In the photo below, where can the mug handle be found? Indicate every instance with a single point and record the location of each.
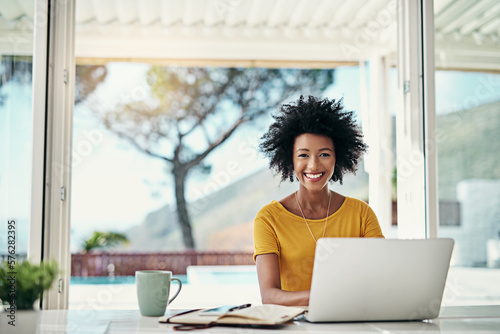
(178, 290)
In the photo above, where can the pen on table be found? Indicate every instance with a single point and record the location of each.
(239, 307)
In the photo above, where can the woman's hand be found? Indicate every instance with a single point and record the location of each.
(268, 271)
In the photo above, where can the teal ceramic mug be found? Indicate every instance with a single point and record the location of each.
(153, 288)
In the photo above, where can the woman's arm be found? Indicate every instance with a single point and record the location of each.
(268, 272)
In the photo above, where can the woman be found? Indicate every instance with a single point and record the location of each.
(315, 142)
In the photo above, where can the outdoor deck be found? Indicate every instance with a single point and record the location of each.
(465, 286)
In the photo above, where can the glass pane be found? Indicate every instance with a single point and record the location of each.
(468, 127)
(123, 133)
(16, 121)
(103, 157)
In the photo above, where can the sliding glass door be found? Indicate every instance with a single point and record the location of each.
(468, 142)
(16, 126)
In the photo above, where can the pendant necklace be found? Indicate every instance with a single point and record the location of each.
(305, 220)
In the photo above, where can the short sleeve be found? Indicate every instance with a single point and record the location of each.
(265, 239)
(372, 227)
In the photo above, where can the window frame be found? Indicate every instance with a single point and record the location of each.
(416, 122)
(53, 99)
(53, 90)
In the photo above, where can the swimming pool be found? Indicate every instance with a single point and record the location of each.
(195, 275)
(96, 280)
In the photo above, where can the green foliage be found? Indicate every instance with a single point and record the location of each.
(28, 283)
(185, 104)
(103, 240)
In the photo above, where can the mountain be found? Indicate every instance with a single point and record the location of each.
(223, 220)
(468, 144)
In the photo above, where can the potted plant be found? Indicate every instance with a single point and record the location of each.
(22, 283)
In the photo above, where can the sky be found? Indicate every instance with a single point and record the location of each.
(114, 186)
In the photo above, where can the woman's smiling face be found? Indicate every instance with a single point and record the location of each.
(313, 160)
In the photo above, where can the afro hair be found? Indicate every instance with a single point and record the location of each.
(323, 117)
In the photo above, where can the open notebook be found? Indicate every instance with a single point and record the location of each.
(263, 315)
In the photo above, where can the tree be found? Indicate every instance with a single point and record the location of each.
(87, 78)
(103, 240)
(16, 69)
(208, 103)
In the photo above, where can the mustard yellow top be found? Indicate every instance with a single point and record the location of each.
(278, 231)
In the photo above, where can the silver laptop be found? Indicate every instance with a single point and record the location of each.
(364, 279)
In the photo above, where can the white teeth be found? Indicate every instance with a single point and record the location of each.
(314, 176)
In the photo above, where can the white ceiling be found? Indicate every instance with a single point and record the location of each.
(467, 32)
(278, 30)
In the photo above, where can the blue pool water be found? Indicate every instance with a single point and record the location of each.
(193, 277)
(112, 280)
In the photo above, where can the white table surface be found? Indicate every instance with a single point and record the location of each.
(453, 319)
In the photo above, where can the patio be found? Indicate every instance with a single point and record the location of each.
(464, 286)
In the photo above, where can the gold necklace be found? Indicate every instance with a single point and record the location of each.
(305, 220)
